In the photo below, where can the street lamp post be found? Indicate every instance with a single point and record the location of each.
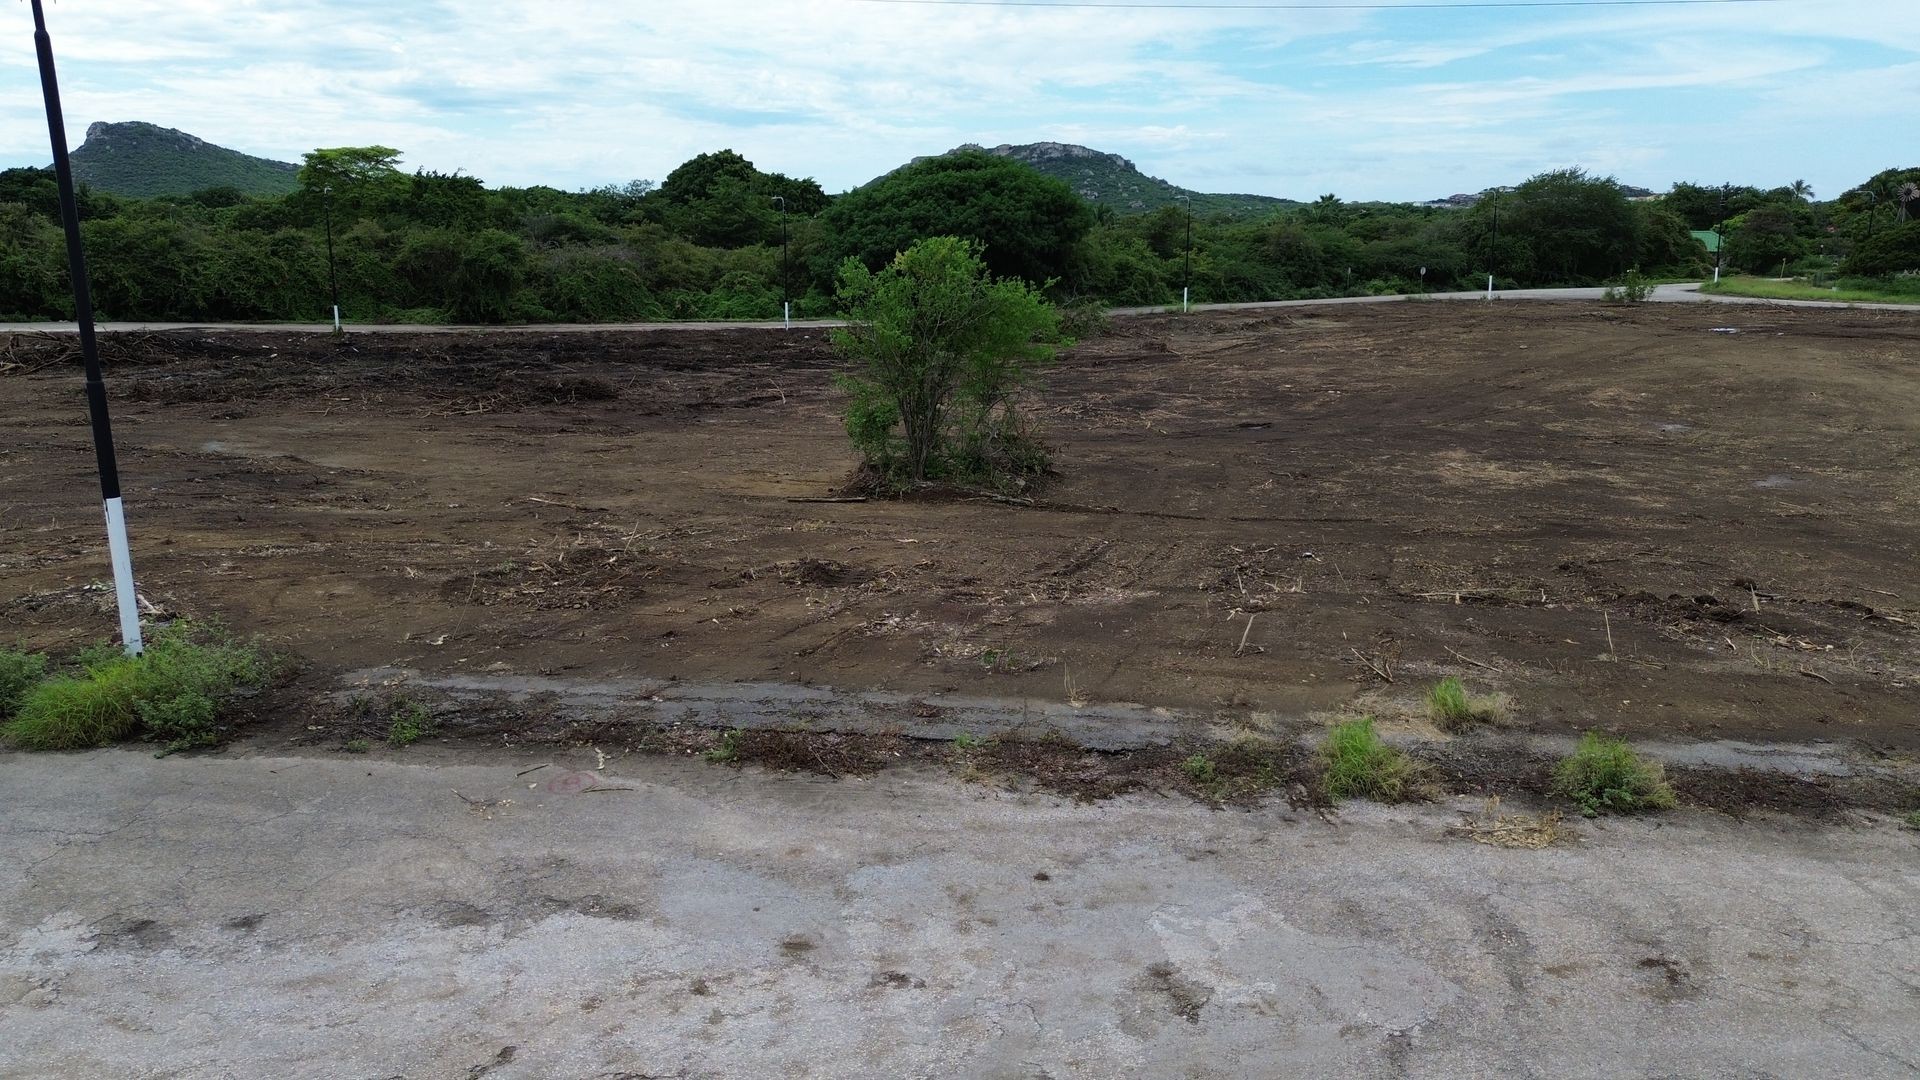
(1720, 236)
(786, 304)
(333, 278)
(119, 552)
(1186, 275)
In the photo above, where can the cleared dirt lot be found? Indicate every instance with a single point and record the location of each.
(1620, 516)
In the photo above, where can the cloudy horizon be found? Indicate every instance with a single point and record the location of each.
(1404, 103)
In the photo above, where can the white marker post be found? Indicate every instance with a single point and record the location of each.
(120, 552)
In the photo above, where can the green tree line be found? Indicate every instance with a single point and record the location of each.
(720, 239)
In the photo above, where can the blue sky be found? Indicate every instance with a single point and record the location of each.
(1401, 104)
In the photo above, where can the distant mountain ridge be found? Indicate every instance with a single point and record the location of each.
(141, 159)
(1110, 180)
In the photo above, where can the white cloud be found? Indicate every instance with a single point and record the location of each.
(572, 92)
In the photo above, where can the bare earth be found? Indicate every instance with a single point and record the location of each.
(1620, 516)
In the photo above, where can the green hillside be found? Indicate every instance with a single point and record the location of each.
(1112, 181)
(146, 159)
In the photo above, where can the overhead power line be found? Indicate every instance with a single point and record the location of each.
(1336, 5)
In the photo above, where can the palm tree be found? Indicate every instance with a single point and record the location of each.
(1801, 190)
(1909, 192)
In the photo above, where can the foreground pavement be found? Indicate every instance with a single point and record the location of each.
(427, 917)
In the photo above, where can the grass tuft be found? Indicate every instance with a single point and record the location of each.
(1605, 775)
(172, 693)
(1360, 765)
(1453, 709)
(727, 749)
(19, 673)
(408, 723)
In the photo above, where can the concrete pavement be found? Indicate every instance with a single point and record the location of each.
(429, 915)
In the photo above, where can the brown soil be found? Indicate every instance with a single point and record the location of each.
(1579, 506)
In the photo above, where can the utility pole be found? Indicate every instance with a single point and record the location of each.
(117, 547)
(1493, 241)
(1186, 276)
(1720, 235)
(333, 278)
(786, 305)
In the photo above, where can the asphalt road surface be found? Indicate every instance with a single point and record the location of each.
(1666, 294)
(421, 917)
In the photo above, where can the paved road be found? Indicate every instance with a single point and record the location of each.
(1666, 294)
(362, 918)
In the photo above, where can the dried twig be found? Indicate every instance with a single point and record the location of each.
(828, 499)
(1816, 675)
(1469, 659)
(1378, 665)
(1243, 636)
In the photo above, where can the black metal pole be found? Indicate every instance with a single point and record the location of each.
(89, 349)
(333, 278)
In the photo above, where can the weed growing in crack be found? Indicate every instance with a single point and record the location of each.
(1361, 765)
(408, 723)
(1605, 775)
(727, 749)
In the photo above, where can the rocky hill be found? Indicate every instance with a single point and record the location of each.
(145, 159)
(1110, 180)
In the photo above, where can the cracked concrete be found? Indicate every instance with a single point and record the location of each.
(341, 917)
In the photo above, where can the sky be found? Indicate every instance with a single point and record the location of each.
(1400, 102)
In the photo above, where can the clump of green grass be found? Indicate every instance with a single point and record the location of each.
(1199, 768)
(1454, 709)
(409, 722)
(966, 740)
(172, 693)
(356, 746)
(1605, 775)
(1912, 819)
(19, 673)
(727, 749)
(1361, 765)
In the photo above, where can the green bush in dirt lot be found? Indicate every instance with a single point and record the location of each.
(172, 693)
(1361, 765)
(941, 352)
(19, 673)
(1607, 775)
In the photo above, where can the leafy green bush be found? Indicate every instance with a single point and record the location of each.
(949, 349)
(172, 693)
(1359, 764)
(19, 673)
(1607, 775)
(1634, 288)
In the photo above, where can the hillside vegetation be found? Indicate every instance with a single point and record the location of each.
(707, 241)
(143, 160)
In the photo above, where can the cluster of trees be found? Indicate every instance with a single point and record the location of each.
(720, 239)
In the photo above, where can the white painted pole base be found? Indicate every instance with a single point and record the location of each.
(336, 318)
(786, 315)
(1489, 286)
(1183, 301)
(1716, 275)
(123, 578)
